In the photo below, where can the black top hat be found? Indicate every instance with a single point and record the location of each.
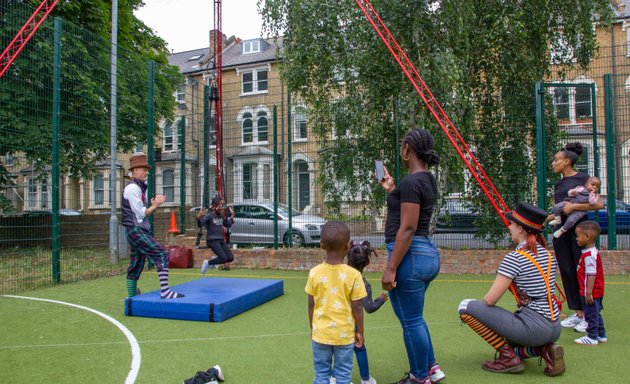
(528, 216)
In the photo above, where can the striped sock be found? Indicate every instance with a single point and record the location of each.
(526, 352)
(165, 291)
(131, 287)
(490, 336)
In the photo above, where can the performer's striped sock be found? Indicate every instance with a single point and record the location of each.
(490, 336)
(165, 291)
(131, 287)
(526, 352)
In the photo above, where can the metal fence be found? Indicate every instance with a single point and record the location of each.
(286, 168)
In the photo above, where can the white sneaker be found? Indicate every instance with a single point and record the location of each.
(571, 321)
(436, 374)
(332, 380)
(204, 266)
(585, 340)
(602, 339)
(371, 380)
(556, 221)
(581, 327)
(219, 373)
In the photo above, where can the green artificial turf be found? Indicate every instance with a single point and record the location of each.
(46, 342)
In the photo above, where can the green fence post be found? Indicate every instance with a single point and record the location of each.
(182, 175)
(610, 162)
(150, 133)
(275, 177)
(56, 117)
(541, 152)
(289, 170)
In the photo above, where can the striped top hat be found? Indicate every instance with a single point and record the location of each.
(528, 216)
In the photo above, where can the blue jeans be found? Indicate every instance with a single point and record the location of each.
(362, 362)
(420, 265)
(323, 356)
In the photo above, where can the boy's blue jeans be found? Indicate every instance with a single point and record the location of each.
(418, 268)
(332, 360)
(362, 362)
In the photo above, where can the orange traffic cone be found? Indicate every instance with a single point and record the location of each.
(173, 228)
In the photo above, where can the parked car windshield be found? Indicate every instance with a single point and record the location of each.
(283, 210)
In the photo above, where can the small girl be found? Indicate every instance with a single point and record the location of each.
(359, 258)
(215, 220)
(588, 193)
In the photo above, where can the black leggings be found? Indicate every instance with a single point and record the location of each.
(568, 254)
(223, 252)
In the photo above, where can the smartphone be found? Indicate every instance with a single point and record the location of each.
(380, 170)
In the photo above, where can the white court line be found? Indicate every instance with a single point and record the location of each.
(218, 338)
(135, 347)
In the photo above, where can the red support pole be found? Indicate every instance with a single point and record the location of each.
(218, 120)
(436, 110)
(12, 51)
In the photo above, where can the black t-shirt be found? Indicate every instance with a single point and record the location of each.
(418, 188)
(562, 186)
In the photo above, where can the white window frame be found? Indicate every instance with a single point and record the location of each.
(573, 102)
(255, 117)
(169, 186)
(37, 193)
(300, 120)
(180, 93)
(98, 189)
(251, 46)
(256, 83)
(168, 141)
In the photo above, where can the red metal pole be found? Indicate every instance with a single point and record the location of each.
(12, 51)
(436, 110)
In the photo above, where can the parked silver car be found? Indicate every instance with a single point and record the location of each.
(253, 224)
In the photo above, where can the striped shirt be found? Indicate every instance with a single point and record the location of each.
(529, 280)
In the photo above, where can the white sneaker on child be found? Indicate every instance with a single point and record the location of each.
(371, 380)
(556, 221)
(581, 327)
(571, 321)
(585, 340)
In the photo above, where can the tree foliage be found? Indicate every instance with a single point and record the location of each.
(26, 89)
(480, 58)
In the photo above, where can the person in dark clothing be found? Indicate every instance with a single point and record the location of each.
(217, 223)
(567, 251)
(359, 258)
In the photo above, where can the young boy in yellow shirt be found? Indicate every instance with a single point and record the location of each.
(335, 292)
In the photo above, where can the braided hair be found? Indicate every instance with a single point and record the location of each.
(422, 142)
(359, 255)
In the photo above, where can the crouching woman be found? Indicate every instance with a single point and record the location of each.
(529, 272)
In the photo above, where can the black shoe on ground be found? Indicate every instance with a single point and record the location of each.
(216, 372)
(201, 378)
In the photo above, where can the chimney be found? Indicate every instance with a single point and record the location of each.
(213, 37)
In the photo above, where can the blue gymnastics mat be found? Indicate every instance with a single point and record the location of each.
(208, 299)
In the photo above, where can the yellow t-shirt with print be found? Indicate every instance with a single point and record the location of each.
(333, 288)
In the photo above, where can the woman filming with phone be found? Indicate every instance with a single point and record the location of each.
(414, 260)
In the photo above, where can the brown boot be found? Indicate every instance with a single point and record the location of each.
(506, 362)
(553, 355)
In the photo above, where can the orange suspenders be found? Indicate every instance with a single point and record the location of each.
(544, 275)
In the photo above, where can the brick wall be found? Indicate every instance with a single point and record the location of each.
(453, 261)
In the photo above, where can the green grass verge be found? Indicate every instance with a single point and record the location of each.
(44, 342)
